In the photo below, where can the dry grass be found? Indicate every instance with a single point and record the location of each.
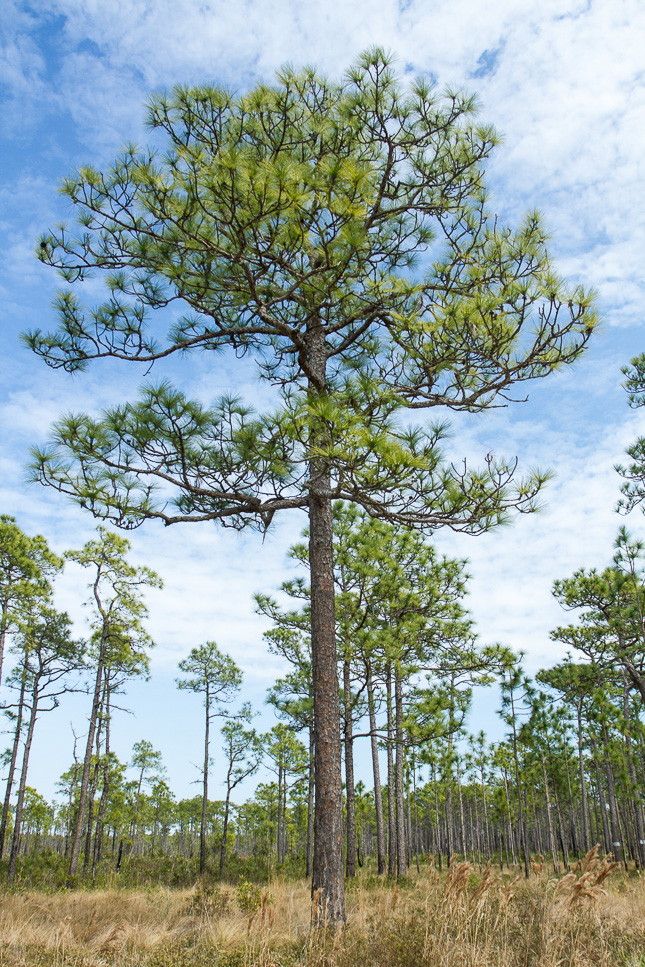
(593, 917)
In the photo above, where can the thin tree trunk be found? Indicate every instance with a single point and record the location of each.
(4, 624)
(401, 865)
(378, 796)
(82, 802)
(310, 804)
(278, 825)
(222, 852)
(92, 795)
(12, 764)
(98, 835)
(584, 807)
(486, 826)
(15, 842)
(611, 797)
(202, 825)
(638, 805)
(554, 851)
(391, 812)
(416, 815)
(350, 864)
(563, 831)
(521, 816)
(462, 824)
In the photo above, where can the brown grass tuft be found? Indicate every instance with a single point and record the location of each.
(590, 918)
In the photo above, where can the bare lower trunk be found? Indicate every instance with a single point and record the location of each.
(310, 804)
(98, 835)
(15, 842)
(554, 849)
(350, 865)
(222, 852)
(584, 807)
(12, 764)
(601, 800)
(391, 811)
(401, 864)
(637, 800)
(87, 762)
(278, 825)
(378, 796)
(328, 884)
(202, 825)
(616, 842)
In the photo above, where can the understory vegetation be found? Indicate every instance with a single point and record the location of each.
(468, 916)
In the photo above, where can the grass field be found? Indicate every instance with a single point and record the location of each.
(594, 916)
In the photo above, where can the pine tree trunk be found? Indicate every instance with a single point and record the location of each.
(564, 839)
(611, 797)
(87, 762)
(521, 816)
(12, 764)
(4, 624)
(222, 852)
(310, 804)
(350, 865)
(328, 883)
(584, 807)
(98, 835)
(462, 824)
(278, 825)
(554, 850)
(437, 823)
(15, 842)
(391, 811)
(416, 816)
(92, 794)
(90, 817)
(378, 795)
(486, 825)
(638, 805)
(510, 825)
(401, 864)
(202, 825)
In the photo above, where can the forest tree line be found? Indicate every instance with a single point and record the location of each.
(568, 773)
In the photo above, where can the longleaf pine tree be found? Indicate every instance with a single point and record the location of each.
(339, 234)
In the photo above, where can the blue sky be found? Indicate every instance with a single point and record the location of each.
(562, 80)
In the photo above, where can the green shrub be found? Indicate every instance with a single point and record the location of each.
(249, 897)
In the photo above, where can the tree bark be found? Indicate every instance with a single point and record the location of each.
(378, 795)
(98, 835)
(638, 805)
(328, 883)
(278, 825)
(401, 864)
(222, 852)
(584, 806)
(350, 864)
(15, 842)
(554, 849)
(82, 802)
(202, 825)
(616, 839)
(310, 804)
(391, 810)
(12, 765)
